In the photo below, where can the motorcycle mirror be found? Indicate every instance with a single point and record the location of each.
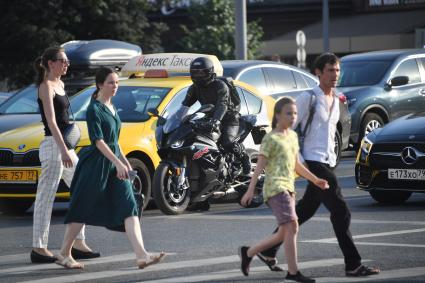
(161, 121)
(153, 112)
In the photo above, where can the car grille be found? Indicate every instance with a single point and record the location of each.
(9, 158)
(384, 156)
(397, 147)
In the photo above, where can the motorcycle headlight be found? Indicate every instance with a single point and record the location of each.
(177, 144)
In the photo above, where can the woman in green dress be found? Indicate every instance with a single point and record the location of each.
(101, 192)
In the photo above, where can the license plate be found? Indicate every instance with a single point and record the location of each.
(406, 174)
(18, 176)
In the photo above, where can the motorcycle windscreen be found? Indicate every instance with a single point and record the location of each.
(175, 119)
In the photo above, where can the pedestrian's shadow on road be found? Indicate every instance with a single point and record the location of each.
(414, 203)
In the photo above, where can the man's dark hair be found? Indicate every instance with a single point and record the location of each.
(325, 58)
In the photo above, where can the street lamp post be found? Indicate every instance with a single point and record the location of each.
(325, 20)
(240, 30)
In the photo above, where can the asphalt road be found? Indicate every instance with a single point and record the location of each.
(202, 247)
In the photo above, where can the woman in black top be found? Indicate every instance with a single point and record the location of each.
(56, 160)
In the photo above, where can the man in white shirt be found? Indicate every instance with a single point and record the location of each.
(318, 153)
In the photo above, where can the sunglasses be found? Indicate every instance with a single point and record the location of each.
(63, 61)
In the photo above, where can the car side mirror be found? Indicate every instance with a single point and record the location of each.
(398, 81)
(153, 112)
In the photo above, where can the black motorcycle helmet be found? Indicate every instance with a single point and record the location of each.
(202, 71)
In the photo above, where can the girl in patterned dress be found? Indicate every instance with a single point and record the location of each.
(279, 157)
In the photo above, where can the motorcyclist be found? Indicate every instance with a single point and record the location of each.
(208, 90)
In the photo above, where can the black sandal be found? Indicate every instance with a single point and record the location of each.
(271, 263)
(363, 270)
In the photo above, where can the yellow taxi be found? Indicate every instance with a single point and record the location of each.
(154, 81)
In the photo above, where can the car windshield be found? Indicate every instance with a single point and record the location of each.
(131, 102)
(362, 73)
(23, 102)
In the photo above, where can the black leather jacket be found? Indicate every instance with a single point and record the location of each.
(216, 93)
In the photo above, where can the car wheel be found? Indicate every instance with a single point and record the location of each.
(338, 146)
(11, 206)
(145, 183)
(390, 197)
(370, 122)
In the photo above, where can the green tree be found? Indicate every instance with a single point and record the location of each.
(28, 27)
(213, 30)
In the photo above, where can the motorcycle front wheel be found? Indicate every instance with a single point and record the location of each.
(169, 199)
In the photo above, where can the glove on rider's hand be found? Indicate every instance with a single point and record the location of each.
(215, 125)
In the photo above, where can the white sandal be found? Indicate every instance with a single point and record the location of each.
(68, 262)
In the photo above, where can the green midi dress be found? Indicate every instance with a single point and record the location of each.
(98, 197)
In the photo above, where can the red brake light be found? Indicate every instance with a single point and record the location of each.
(156, 74)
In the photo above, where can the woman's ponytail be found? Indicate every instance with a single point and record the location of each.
(95, 93)
(40, 71)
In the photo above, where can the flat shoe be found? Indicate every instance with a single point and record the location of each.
(79, 254)
(245, 259)
(39, 258)
(363, 270)
(271, 263)
(152, 260)
(69, 262)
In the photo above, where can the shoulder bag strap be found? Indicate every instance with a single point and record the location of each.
(312, 109)
(72, 112)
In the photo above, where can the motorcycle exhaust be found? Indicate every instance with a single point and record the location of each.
(218, 194)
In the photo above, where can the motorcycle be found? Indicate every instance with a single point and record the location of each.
(194, 167)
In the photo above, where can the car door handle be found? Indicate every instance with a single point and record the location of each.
(422, 92)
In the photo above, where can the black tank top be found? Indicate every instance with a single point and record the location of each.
(60, 105)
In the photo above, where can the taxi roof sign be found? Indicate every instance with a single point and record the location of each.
(171, 62)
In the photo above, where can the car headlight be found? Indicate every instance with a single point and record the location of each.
(366, 145)
(177, 144)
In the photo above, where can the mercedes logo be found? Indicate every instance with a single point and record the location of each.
(409, 156)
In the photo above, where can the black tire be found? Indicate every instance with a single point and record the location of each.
(390, 197)
(170, 204)
(145, 179)
(370, 122)
(12, 206)
(338, 147)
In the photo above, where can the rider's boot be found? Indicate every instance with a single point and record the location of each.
(246, 164)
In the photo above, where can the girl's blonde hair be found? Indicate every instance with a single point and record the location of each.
(278, 107)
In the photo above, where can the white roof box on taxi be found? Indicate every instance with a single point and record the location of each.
(171, 62)
(100, 52)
